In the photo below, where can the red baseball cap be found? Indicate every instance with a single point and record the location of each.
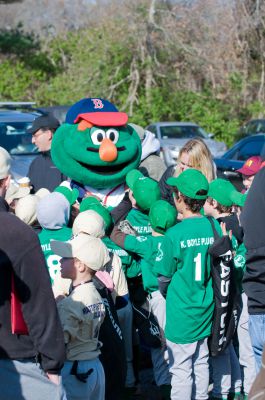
(104, 118)
(251, 166)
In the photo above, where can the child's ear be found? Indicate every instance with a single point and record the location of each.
(80, 265)
(132, 199)
(214, 203)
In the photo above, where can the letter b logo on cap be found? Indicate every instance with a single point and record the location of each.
(97, 103)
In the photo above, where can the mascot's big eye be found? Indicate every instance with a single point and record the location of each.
(97, 136)
(112, 135)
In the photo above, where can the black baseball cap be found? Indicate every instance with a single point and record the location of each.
(44, 121)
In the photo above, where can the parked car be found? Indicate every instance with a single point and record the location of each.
(235, 157)
(15, 119)
(173, 135)
(58, 111)
(252, 127)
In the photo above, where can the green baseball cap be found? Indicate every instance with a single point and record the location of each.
(145, 191)
(221, 190)
(91, 203)
(70, 194)
(162, 216)
(132, 177)
(189, 183)
(238, 198)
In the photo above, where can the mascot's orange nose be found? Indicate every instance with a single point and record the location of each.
(108, 151)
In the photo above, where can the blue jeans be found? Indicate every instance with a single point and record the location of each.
(257, 335)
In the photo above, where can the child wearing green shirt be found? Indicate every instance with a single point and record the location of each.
(189, 299)
(143, 193)
(53, 213)
(226, 367)
(162, 216)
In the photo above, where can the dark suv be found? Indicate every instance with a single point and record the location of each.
(15, 119)
(234, 158)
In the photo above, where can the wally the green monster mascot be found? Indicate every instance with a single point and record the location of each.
(96, 148)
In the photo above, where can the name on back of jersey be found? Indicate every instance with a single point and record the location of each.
(201, 241)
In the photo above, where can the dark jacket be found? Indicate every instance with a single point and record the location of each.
(3, 205)
(166, 190)
(252, 220)
(43, 173)
(232, 223)
(21, 254)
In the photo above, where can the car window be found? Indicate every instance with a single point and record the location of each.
(15, 140)
(248, 149)
(182, 131)
(257, 126)
(153, 129)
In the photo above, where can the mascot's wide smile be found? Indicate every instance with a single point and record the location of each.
(97, 147)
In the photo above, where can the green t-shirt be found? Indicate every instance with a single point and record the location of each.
(146, 247)
(139, 221)
(130, 266)
(190, 300)
(52, 260)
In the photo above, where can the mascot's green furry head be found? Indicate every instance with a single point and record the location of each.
(95, 146)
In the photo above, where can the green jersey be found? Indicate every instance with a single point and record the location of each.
(139, 221)
(130, 266)
(190, 301)
(52, 260)
(148, 248)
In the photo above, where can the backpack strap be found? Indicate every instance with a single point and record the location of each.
(215, 233)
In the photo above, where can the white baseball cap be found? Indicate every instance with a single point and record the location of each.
(89, 222)
(88, 249)
(5, 163)
(26, 208)
(16, 192)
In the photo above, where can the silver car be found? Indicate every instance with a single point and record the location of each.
(173, 136)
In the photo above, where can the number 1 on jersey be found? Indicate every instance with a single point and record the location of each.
(198, 267)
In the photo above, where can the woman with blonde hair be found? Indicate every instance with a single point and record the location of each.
(194, 154)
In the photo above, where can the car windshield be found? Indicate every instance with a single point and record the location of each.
(182, 132)
(15, 139)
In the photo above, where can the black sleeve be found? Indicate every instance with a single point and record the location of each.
(120, 212)
(38, 304)
(166, 191)
(163, 282)
(252, 216)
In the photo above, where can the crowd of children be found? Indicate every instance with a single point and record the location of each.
(156, 257)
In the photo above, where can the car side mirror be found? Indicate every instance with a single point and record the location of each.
(210, 135)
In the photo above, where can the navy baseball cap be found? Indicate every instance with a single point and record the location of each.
(44, 122)
(97, 111)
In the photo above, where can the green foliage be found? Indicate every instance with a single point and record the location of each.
(103, 61)
(17, 82)
(26, 48)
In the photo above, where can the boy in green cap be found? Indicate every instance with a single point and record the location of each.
(162, 216)
(143, 193)
(222, 196)
(189, 299)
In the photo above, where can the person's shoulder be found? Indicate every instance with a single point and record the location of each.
(37, 160)
(13, 221)
(17, 232)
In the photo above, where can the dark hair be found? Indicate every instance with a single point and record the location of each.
(193, 205)
(46, 128)
(220, 208)
(2, 181)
